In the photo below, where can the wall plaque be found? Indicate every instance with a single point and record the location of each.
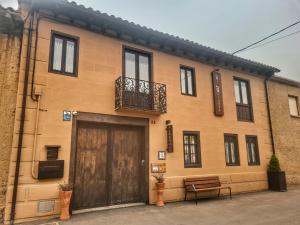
(218, 94)
(161, 155)
(158, 168)
(46, 206)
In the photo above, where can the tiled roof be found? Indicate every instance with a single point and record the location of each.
(10, 21)
(129, 31)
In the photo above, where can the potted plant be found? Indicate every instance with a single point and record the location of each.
(160, 186)
(65, 194)
(276, 177)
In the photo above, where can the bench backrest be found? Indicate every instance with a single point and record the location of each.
(202, 182)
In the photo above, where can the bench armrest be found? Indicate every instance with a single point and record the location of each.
(194, 188)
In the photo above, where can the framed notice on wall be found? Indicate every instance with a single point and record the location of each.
(158, 167)
(218, 94)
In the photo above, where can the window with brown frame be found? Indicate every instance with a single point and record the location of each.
(243, 100)
(187, 80)
(293, 105)
(231, 150)
(191, 149)
(63, 54)
(252, 150)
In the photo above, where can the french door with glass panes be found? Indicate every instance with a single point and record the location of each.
(137, 77)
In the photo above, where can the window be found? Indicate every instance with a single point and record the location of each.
(243, 100)
(252, 150)
(231, 150)
(293, 104)
(137, 67)
(187, 79)
(191, 148)
(63, 54)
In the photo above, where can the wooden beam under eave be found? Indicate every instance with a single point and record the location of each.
(80, 23)
(126, 37)
(111, 32)
(96, 28)
(64, 18)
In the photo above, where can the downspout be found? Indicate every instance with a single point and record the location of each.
(22, 122)
(269, 114)
(33, 163)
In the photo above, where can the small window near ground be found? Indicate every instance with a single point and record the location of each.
(252, 150)
(231, 150)
(293, 104)
(187, 79)
(191, 148)
(63, 54)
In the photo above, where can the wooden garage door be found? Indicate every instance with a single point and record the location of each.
(109, 168)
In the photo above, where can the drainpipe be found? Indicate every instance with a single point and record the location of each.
(269, 114)
(34, 161)
(22, 121)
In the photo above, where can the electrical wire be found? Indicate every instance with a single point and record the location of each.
(248, 46)
(285, 36)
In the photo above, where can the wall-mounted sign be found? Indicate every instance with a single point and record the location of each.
(170, 147)
(218, 94)
(67, 115)
(161, 155)
(158, 167)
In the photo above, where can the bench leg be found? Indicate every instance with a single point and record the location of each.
(185, 195)
(196, 197)
(219, 193)
(230, 193)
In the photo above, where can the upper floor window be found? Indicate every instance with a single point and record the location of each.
(231, 150)
(63, 54)
(137, 70)
(191, 147)
(187, 79)
(252, 150)
(293, 104)
(243, 100)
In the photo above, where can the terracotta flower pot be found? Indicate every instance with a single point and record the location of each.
(65, 198)
(160, 190)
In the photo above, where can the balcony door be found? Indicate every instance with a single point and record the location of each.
(137, 77)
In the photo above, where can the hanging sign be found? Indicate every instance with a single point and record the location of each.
(218, 95)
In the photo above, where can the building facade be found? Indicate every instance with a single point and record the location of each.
(108, 103)
(284, 97)
(10, 42)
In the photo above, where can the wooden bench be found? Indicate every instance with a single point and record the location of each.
(197, 184)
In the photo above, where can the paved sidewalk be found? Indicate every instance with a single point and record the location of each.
(262, 208)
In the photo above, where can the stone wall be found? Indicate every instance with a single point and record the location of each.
(9, 70)
(286, 129)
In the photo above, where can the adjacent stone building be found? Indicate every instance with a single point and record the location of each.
(10, 42)
(284, 95)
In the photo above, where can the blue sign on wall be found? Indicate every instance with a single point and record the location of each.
(67, 115)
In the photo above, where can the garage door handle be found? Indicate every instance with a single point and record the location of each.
(143, 162)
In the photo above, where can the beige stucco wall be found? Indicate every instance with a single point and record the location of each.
(100, 64)
(9, 68)
(286, 129)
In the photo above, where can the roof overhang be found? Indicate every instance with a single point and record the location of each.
(10, 21)
(78, 15)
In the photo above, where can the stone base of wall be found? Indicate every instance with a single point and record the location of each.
(30, 195)
(239, 183)
(293, 179)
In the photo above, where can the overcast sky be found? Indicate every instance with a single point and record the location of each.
(227, 27)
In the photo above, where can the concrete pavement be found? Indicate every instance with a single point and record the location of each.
(262, 208)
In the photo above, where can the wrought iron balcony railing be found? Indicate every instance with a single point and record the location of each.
(140, 95)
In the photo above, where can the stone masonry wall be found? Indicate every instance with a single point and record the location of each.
(9, 70)
(286, 129)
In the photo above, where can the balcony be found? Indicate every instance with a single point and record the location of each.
(140, 95)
